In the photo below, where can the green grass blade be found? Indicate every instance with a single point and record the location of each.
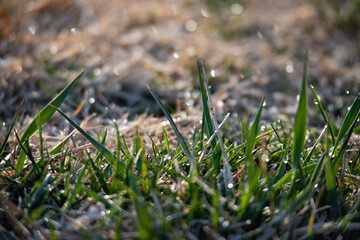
(178, 134)
(216, 157)
(318, 103)
(99, 174)
(300, 120)
(331, 188)
(308, 157)
(103, 150)
(340, 154)
(58, 147)
(348, 120)
(45, 114)
(3, 145)
(167, 145)
(254, 130)
(77, 188)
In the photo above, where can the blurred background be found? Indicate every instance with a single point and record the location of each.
(250, 48)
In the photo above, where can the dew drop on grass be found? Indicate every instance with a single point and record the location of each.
(230, 185)
(74, 30)
(262, 128)
(91, 100)
(297, 97)
(248, 222)
(226, 223)
(213, 73)
(264, 103)
(347, 92)
(311, 86)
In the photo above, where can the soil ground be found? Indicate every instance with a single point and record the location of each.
(251, 49)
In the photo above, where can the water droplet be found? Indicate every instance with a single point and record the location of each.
(213, 73)
(264, 103)
(226, 223)
(230, 185)
(74, 30)
(114, 120)
(289, 67)
(265, 189)
(191, 25)
(297, 97)
(315, 102)
(102, 213)
(248, 222)
(311, 86)
(262, 128)
(347, 92)
(32, 29)
(236, 9)
(175, 55)
(316, 185)
(4, 124)
(285, 161)
(91, 100)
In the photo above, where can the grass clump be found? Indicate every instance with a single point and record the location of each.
(272, 184)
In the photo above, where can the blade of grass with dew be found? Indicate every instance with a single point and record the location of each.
(338, 157)
(58, 147)
(254, 130)
(99, 174)
(252, 181)
(308, 157)
(331, 188)
(178, 134)
(3, 145)
(41, 143)
(72, 195)
(103, 150)
(300, 125)
(166, 141)
(318, 103)
(348, 120)
(227, 174)
(216, 164)
(46, 113)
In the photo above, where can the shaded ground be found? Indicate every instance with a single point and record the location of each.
(252, 51)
